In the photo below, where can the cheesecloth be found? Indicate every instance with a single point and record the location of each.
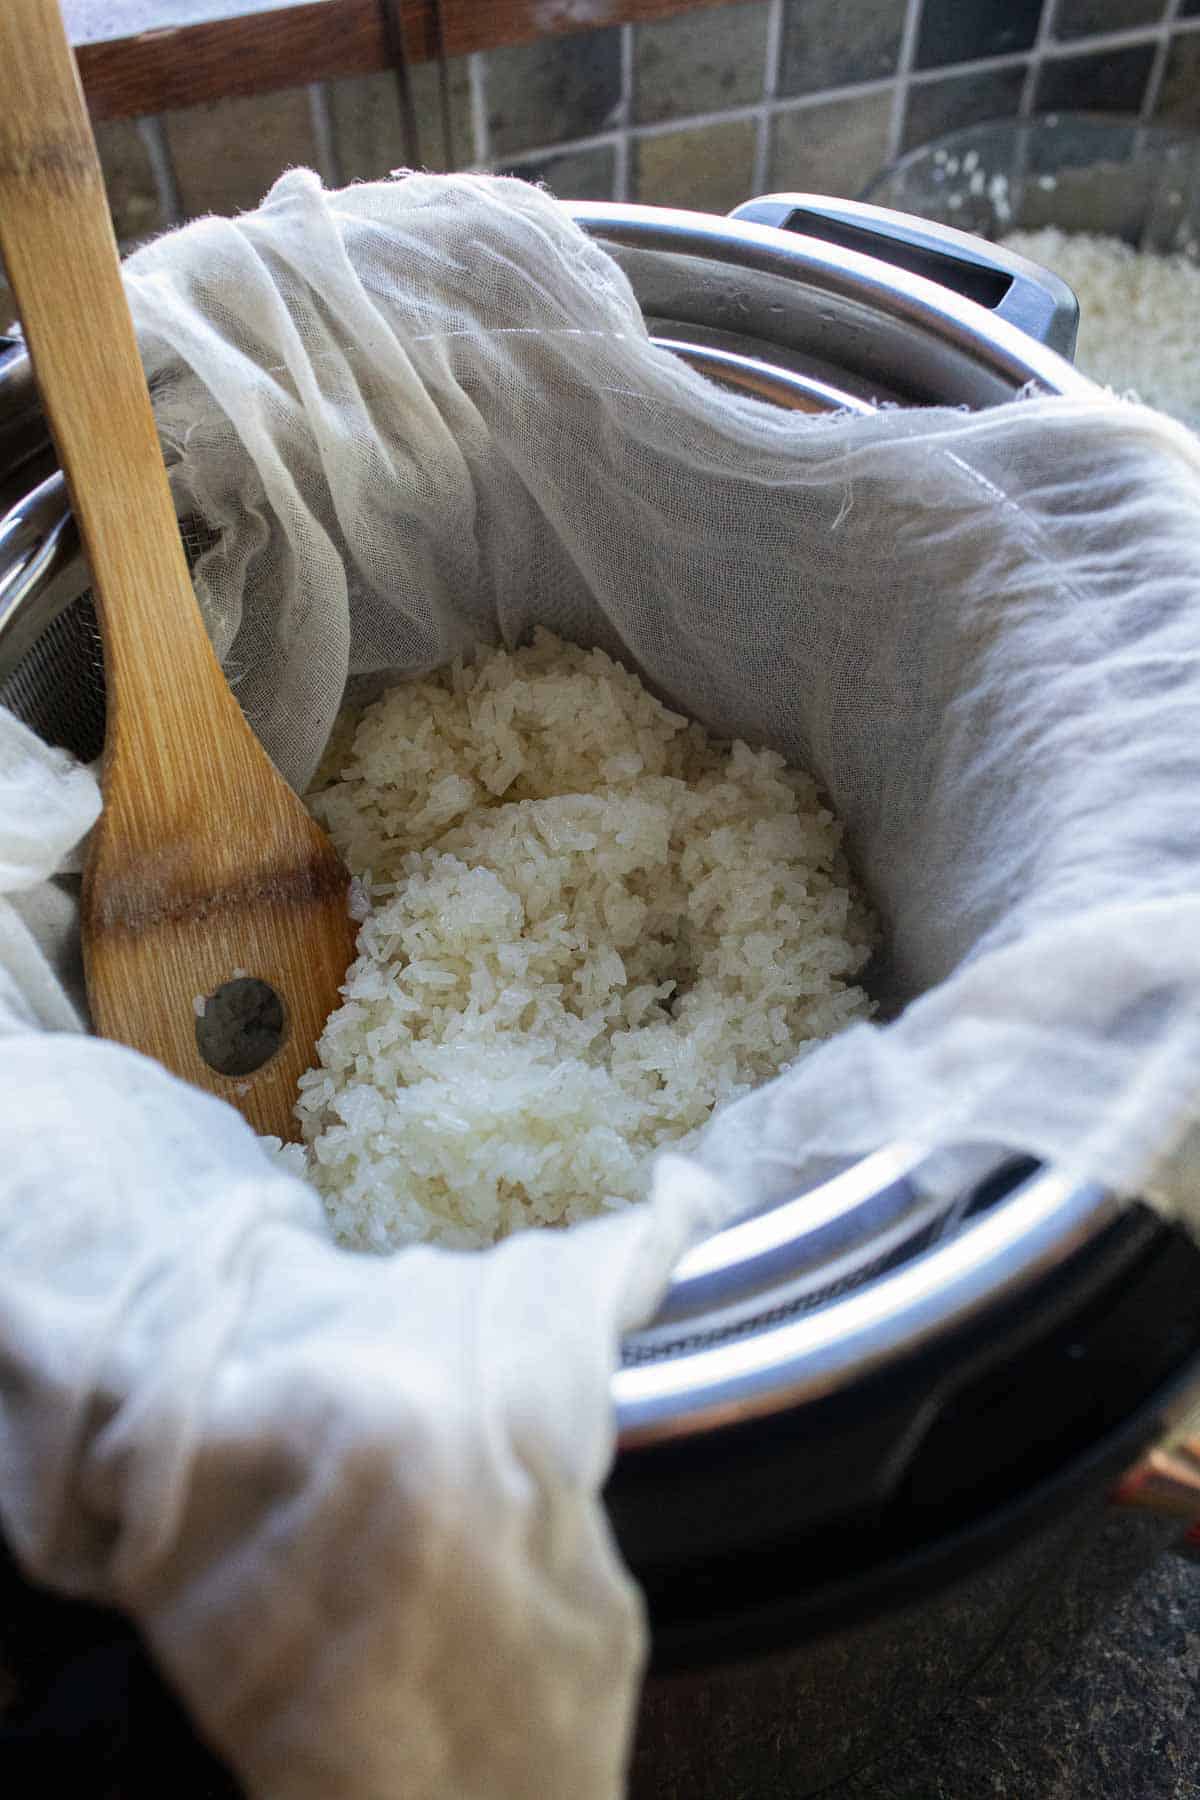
(353, 1503)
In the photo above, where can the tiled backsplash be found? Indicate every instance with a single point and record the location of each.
(698, 110)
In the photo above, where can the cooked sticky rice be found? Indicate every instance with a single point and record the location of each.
(1139, 315)
(587, 925)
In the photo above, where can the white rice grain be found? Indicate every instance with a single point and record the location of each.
(1139, 315)
(588, 926)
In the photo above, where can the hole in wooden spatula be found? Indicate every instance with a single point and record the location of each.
(241, 1026)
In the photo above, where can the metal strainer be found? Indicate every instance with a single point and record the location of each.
(724, 1342)
(51, 656)
(747, 1283)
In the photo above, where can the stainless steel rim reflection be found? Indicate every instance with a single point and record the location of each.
(1006, 1252)
(920, 307)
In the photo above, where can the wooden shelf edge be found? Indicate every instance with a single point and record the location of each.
(189, 65)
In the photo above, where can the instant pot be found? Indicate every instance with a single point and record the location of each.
(880, 1442)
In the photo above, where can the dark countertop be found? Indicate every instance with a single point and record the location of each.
(1066, 1669)
(1121, 1722)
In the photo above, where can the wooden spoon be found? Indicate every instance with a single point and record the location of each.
(206, 876)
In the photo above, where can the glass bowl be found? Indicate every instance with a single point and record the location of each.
(1091, 172)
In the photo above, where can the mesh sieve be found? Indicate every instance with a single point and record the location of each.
(58, 688)
(875, 1225)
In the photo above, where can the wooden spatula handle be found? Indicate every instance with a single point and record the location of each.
(54, 224)
(204, 872)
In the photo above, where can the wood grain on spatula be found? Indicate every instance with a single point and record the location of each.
(204, 864)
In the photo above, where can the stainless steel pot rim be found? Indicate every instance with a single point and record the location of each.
(922, 306)
(1005, 1253)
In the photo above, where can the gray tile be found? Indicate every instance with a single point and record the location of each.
(936, 107)
(833, 148)
(558, 89)
(1102, 81)
(227, 155)
(576, 175)
(1179, 96)
(703, 62)
(129, 180)
(1082, 18)
(960, 30)
(832, 43)
(709, 168)
(367, 121)
(427, 102)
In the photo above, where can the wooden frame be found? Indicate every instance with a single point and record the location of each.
(186, 65)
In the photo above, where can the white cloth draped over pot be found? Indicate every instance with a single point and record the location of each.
(354, 1503)
(351, 1501)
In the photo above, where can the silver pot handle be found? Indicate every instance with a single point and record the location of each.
(1009, 286)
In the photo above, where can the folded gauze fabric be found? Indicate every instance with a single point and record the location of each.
(353, 1502)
